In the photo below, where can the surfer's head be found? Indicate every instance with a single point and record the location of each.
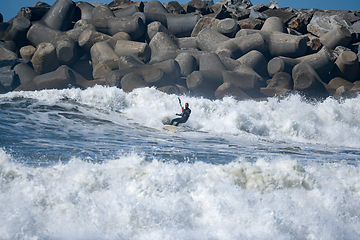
(186, 105)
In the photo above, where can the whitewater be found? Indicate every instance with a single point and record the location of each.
(97, 164)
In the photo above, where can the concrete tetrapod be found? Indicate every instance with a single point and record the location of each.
(187, 63)
(339, 36)
(61, 78)
(59, 15)
(210, 61)
(307, 81)
(139, 49)
(274, 24)
(280, 44)
(66, 47)
(104, 59)
(132, 25)
(204, 83)
(16, 32)
(25, 74)
(347, 66)
(45, 59)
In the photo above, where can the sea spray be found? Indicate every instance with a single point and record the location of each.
(330, 122)
(130, 198)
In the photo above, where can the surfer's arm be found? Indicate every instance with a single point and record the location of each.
(183, 111)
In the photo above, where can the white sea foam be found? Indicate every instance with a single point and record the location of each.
(130, 198)
(329, 122)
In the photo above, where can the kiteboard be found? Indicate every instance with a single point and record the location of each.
(170, 128)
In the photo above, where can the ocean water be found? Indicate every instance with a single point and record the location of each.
(96, 164)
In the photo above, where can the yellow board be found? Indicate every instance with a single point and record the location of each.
(170, 128)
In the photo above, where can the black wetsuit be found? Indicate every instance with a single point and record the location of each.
(184, 117)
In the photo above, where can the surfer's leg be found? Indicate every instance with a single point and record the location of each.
(180, 120)
(175, 120)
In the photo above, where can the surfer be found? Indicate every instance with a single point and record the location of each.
(184, 115)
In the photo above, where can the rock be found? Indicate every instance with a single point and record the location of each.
(198, 6)
(314, 44)
(238, 9)
(220, 11)
(284, 15)
(175, 7)
(7, 57)
(205, 22)
(251, 23)
(322, 23)
(273, 4)
(356, 28)
(7, 79)
(302, 19)
(257, 15)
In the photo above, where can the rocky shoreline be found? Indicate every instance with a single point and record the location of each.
(230, 48)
